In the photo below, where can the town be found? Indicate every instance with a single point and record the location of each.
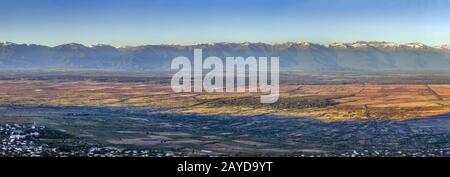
(18, 140)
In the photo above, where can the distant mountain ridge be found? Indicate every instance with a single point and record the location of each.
(358, 56)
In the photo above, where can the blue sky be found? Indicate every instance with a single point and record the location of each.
(137, 22)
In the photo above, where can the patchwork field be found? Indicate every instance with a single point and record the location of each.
(328, 102)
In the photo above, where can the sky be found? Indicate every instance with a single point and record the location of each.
(139, 22)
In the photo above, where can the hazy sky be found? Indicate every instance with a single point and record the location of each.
(136, 22)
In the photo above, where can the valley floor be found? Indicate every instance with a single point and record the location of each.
(317, 115)
(327, 102)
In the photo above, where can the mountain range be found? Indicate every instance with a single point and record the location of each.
(358, 56)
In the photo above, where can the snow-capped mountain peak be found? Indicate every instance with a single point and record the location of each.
(416, 45)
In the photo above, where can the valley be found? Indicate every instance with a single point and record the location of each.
(326, 100)
(93, 114)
